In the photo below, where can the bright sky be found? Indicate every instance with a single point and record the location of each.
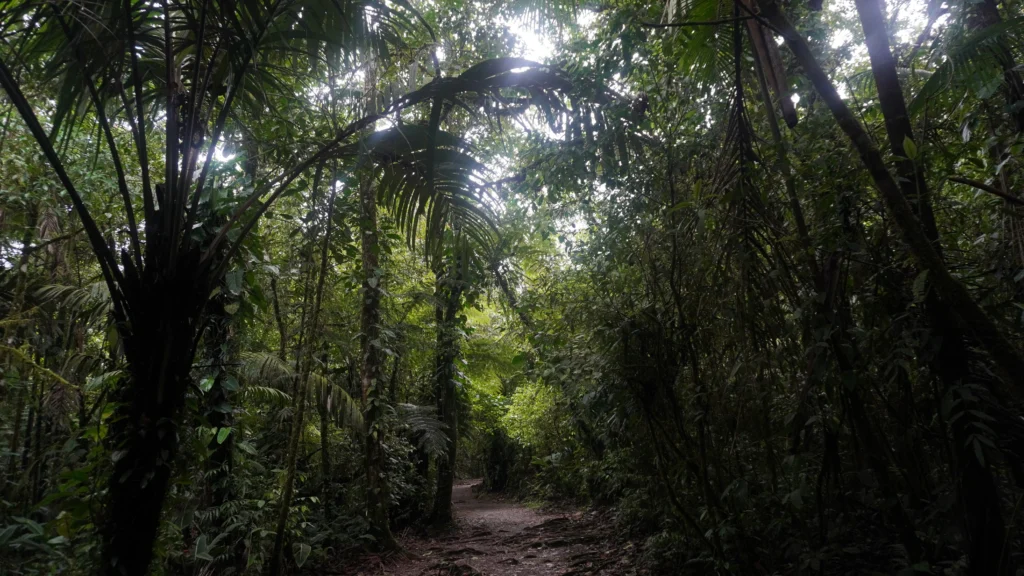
(536, 46)
(539, 45)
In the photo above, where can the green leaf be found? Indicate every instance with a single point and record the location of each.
(223, 434)
(909, 148)
(301, 552)
(6, 534)
(34, 526)
(203, 549)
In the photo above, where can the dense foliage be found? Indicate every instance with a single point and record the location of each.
(275, 272)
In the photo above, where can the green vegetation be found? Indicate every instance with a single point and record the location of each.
(274, 273)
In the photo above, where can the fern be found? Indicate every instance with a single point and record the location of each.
(422, 421)
(265, 395)
(335, 401)
(265, 367)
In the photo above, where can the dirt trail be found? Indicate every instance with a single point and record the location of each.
(496, 537)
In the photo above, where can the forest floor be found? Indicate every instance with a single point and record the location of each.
(495, 537)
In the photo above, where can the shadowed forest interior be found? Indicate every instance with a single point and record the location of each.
(721, 286)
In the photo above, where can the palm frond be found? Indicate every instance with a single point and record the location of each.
(706, 51)
(424, 425)
(968, 60)
(427, 176)
(335, 401)
(90, 302)
(265, 368)
(265, 395)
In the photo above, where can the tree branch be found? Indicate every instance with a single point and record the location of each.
(695, 23)
(986, 188)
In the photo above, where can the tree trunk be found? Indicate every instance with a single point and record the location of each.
(144, 435)
(325, 450)
(282, 331)
(219, 413)
(897, 120)
(371, 373)
(985, 14)
(449, 295)
(284, 507)
(14, 335)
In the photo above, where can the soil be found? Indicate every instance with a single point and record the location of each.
(496, 536)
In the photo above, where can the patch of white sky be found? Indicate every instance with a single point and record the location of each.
(909, 17)
(537, 43)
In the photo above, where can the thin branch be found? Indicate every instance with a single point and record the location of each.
(695, 23)
(54, 240)
(284, 182)
(986, 188)
(935, 11)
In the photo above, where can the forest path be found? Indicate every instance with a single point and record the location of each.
(497, 537)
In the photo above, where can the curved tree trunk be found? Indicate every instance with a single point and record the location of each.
(950, 291)
(946, 349)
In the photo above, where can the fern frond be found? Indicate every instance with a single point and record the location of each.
(264, 367)
(265, 395)
(424, 425)
(336, 402)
